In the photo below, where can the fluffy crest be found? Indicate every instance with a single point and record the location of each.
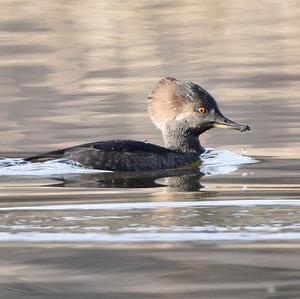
(168, 99)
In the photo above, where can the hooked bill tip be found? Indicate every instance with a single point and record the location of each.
(245, 128)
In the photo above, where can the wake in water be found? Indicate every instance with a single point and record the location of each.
(214, 163)
(223, 162)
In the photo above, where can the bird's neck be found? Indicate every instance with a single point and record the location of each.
(177, 137)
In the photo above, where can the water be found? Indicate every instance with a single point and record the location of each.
(75, 72)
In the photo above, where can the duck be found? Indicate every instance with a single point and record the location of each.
(180, 109)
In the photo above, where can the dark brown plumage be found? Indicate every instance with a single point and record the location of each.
(182, 110)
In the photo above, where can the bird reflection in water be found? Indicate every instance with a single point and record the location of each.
(180, 180)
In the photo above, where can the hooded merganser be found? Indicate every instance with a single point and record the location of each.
(181, 109)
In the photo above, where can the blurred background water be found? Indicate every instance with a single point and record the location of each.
(74, 72)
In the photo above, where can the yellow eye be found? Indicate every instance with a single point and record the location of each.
(202, 110)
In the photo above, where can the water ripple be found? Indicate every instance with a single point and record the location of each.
(159, 205)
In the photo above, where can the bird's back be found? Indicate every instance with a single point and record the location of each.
(120, 155)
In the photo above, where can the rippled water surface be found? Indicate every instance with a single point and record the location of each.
(73, 72)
